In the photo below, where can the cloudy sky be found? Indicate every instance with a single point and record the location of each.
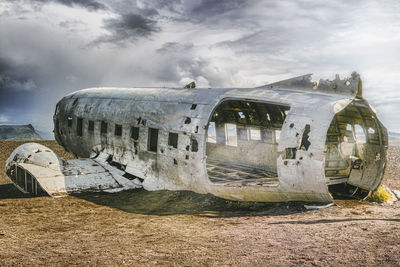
(49, 48)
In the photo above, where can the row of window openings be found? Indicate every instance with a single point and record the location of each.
(233, 134)
(152, 137)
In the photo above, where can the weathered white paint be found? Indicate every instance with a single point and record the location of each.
(167, 109)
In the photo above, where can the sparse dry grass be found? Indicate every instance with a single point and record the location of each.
(381, 195)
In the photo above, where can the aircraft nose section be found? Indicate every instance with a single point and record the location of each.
(37, 154)
(30, 164)
(36, 169)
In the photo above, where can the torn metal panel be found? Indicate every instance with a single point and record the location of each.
(285, 141)
(351, 86)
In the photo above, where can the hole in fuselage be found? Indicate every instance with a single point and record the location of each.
(347, 191)
(352, 167)
(242, 142)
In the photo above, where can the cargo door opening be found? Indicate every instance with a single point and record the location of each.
(242, 143)
(355, 152)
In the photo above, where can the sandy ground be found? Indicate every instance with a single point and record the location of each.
(186, 229)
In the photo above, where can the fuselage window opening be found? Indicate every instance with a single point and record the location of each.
(212, 135)
(359, 134)
(135, 133)
(91, 126)
(152, 141)
(118, 130)
(79, 127)
(231, 134)
(194, 144)
(103, 128)
(69, 122)
(242, 147)
(255, 134)
(242, 133)
(173, 140)
(267, 136)
(277, 136)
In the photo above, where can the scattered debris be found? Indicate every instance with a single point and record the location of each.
(317, 207)
(396, 193)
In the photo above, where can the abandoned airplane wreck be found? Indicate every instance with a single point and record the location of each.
(293, 140)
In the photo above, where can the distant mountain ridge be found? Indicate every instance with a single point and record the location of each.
(394, 136)
(18, 132)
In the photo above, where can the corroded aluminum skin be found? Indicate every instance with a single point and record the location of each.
(300, 179)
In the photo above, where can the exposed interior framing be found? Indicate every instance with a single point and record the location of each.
(242, 142)
(25, 181)
(355, 151)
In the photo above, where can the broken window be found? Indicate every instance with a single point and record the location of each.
(277, 136)
(69, 122)
(255, 134)
(135, 133)
(305, 143)
(194, 145)
(241, 147)
(267, 135)
(152, 140)
(359, 134)
(371, 131)
(79, 127)
(91, 126)
(231, 134)
(118, 130)
(242, 134)
(211, 133)
(103, 128)
(173, 140)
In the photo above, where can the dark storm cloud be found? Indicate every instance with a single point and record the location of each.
(16, 90)
(172, 6)
(15, 78)
(195, 11)
(211, 8)
(128, 27)
(164, 4)
(89, 4)
(171, 42)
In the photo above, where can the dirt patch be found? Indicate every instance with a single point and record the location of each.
(186, 229)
